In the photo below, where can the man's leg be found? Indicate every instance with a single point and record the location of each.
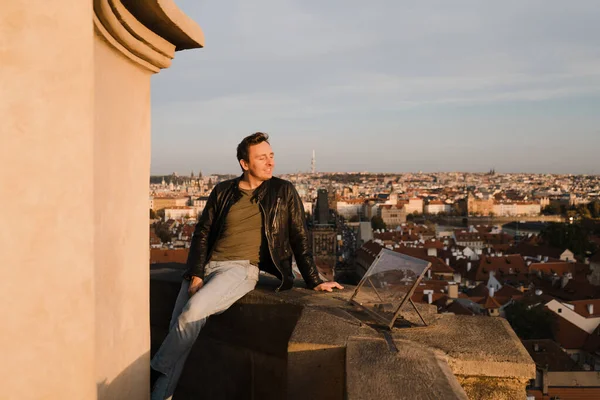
(226, 282)
(182, 299)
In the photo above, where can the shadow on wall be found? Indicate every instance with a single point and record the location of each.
(130, 384)
(240, 354)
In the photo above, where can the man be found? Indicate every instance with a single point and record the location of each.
(251, 222)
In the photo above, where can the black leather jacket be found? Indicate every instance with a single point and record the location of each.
(284, 225)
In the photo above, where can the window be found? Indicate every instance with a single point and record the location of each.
(560, 310)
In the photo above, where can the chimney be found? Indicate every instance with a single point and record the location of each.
(565, 279)
(429, 294)
(447, 261)
(590, 309)
(453, 291)
(429, 273)
(457, 278)
(492, 290)
(432, 252)
(468, 266)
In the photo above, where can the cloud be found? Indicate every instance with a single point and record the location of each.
(340, 67)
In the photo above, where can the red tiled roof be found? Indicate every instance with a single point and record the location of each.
(568, 335)
(436, 203)
(483, 228)
(512, 264)
(419, 297)
(159, 256)
(560, 268)
(458, 309)
(352, 201)
(433, 244)
(550, 355)
(461, 267)
(468, 236)
(497, 238)
(432, 284)
(480, 290)
(488, 302)
(368, 252)
(534, 251)
(437, 264)
(581, 307)
(509, 291)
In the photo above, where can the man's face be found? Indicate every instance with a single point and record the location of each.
(261, 161)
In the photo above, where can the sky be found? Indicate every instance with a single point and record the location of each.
(385, 86)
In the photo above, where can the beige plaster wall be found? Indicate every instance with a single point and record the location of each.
(74, 173)
(121, 176)
(46, 196)
(574, 378)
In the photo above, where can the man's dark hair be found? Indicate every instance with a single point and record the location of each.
(244, 146)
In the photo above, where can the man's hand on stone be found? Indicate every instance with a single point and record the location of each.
(328, 286)
(195, 285)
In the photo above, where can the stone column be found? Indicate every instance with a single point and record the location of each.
(74, 175)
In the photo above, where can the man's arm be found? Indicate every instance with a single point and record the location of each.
(197, 256)
(299, 239)
(301, 247)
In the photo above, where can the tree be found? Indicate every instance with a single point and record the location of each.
(161, 214)
(354, 218)
(567, 236)
(162, 231)
(458, 209)
(594, 208)
(583, 211)
(552, 209)
(531, 323)
(152, 214)
(377, 223)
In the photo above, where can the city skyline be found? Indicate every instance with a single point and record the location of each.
(386, 87)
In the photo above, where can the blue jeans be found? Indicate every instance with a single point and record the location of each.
(225, 282)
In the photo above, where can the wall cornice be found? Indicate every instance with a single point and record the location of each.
(147, 32)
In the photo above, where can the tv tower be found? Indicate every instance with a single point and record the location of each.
(313, 163)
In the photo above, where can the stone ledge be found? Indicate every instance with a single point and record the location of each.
(315, 339)
(475, 346)
(423, 373)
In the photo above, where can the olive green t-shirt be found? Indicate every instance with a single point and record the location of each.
(242, 233)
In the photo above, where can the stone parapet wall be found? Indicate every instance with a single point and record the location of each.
(303, 344)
